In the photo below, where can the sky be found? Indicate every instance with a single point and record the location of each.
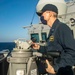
(14, 14)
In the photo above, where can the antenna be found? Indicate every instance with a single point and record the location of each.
(26, 27)
(33, 14)
(32, 18)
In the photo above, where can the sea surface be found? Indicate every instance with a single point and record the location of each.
(7, 45)
(3, 62)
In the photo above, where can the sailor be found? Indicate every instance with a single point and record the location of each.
(60, 39)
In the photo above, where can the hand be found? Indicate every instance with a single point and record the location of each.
(49, 69)
(36, 46)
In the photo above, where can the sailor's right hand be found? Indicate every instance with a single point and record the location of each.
(36, 46)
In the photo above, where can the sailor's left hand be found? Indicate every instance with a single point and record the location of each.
(49, 69)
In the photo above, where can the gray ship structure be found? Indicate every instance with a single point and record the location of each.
(22, 59)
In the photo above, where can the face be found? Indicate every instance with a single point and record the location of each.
(45, 17)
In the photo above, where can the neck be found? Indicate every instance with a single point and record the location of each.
(51, 21)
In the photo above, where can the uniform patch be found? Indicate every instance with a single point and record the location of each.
(51, 38)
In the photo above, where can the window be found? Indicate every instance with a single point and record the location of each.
(36, 36)
(44, 36)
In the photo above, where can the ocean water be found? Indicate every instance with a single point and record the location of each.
(7, 45)
(4, 64)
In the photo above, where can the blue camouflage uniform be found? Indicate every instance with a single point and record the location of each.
(61, 39)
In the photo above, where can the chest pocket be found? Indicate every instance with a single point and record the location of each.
(53, 43)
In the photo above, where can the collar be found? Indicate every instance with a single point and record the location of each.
(55, 25)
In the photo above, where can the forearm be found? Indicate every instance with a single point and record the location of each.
(42, 49)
